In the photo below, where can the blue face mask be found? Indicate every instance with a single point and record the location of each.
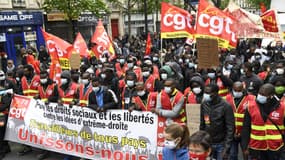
(211, 75)
(207, 97)
(261, 99)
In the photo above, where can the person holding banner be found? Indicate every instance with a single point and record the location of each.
(47, 89)
(176, 142)
(5, 101)
(129, 89)
(143, 100)
(85, 88)
(67, 90)
(101, 98)
(30, 82)
(170, 103)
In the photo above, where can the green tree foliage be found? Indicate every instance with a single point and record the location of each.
(73, 8)
(256, 3)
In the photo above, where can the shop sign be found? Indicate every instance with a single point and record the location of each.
(20, 18)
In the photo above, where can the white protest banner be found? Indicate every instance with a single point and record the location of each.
(82, 132)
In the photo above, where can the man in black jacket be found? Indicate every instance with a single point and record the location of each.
(218, 120)
(101, 98)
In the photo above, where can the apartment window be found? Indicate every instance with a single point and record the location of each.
(19, 3)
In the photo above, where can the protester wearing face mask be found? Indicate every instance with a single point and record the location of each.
(194, 93)
(251, 80)
(101, 98)
(279, 84)
(149, 79)
(11, 66)
(5, 102)
(67, 90)
(238, 99)
(30, 82)
(135, 68)
(48, 90)
(84, 89)
(216, 77)
(219, 125)
(200, 146)
(7, 83)
(129, 90)
(176, 142)
(121, 66)
(143, 100)
(109, 79)
(155, 60)
(263, 126)
(165, 73)
(170, 103)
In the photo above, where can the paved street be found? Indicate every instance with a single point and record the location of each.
(31, 156)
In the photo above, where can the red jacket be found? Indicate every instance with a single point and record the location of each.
(68, 96)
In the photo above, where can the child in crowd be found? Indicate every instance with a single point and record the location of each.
(176, 142)
(199, 146)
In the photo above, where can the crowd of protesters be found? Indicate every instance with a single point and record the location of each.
(242, 99)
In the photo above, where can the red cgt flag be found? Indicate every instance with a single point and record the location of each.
(175, 22)
(101, 38)
(59, 51)
(214, 23)
(80, 46)
(269, 21)
(148, 45)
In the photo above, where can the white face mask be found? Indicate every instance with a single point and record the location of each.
(96, 89)
(141, 93)
(211, 75)
(197, 90)
(130, 83)
(191, 65)
(237, 94)
(2, 78)
(130, 65)
(43, 81)
(280, 71)
(163, 76)
(155, 59)
(85, 81)
(103, 75)
(167, 89)
(207, 97)
(17, 79)
(170, 144)
(241, 71)
(63, 80)
(146, 74)
(261, 99)
(122, 61)
(103, 60)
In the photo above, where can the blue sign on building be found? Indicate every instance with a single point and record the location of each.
(21, 29)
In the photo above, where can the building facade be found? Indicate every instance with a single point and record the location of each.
(20, 26)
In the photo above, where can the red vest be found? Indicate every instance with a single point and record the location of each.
(31, 89)
(167, 104)
(265, 135)
(45, 94)
(119, 70)
(151, 102)
(155, 72)
(68, 96)
(83, 98)
(149, 83)
(223, 91)
(262, 75)
(240, 110)
(138, 73)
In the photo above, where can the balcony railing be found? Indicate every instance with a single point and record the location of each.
(19, 3)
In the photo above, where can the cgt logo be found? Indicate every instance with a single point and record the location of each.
(178, 21)
(19, 107)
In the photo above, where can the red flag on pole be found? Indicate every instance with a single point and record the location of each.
(59, 52)
(101, 38)
(262, 7)
(269, 20)
(80, 46)
(148, 45)
(214, 23)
